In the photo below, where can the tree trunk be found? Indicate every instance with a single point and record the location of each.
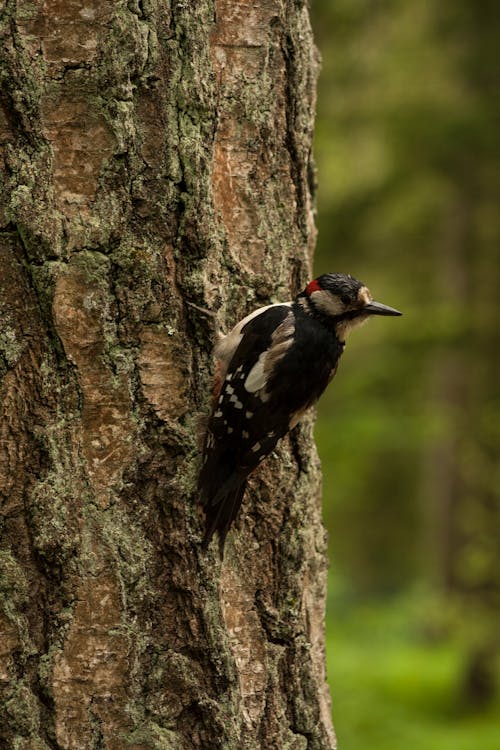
(154, 154)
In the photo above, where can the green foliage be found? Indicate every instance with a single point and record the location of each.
(407, 146)
(394, 687)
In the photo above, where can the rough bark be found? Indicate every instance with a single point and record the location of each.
(153, 154)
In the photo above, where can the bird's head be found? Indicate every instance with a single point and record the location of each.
(343, 301)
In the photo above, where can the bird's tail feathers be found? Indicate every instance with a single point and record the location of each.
(222, 509)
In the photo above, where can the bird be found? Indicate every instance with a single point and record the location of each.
(271, 368)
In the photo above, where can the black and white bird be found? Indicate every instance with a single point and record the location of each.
(272, 367)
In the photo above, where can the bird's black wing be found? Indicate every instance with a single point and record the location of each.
(244, 427)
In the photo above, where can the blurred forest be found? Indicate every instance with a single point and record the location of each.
(407, 151)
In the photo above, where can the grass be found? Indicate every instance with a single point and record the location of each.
(392, 689)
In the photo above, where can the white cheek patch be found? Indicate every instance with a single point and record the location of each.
(327, 303)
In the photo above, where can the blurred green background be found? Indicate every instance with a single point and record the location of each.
(407, 150)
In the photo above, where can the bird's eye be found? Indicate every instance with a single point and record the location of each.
(345, 299)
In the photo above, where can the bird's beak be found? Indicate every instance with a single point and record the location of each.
(377, 308)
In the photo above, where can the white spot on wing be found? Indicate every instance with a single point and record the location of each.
(256, 378)
(281, 339)
(227, 345)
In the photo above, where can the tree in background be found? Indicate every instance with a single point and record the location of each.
(153, 154)
(407, 145)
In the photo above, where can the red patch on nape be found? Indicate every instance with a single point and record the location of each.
(313, 286)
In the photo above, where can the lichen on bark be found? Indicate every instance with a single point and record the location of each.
(153, 154)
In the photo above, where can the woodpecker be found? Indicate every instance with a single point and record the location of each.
(271, 368)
